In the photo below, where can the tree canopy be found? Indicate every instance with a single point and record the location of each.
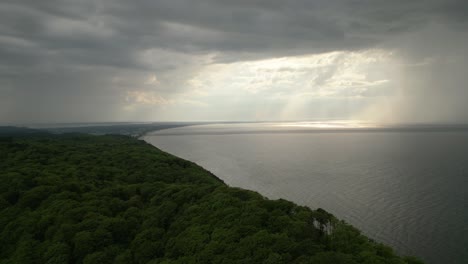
(76, 198)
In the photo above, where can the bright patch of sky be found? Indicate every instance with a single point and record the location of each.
(296, 87)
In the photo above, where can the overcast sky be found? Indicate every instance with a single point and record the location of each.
(160, 60)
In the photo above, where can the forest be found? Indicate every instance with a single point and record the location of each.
(77, 198)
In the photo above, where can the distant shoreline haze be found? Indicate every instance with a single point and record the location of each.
(213, 127)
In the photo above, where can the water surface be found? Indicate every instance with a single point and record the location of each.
(405, 187)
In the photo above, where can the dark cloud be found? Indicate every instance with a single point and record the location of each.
(58, 51)
(249, 26)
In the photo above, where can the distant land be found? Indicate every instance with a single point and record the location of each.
(138, 129)
(134, 129)
(77, 198)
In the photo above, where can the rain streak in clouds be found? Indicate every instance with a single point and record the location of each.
(82, 61)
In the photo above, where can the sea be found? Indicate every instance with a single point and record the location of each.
(403, 185)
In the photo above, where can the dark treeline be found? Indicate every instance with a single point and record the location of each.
(115, 199)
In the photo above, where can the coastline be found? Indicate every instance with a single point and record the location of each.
(115, 179)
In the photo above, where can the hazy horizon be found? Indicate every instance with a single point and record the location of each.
(328, 125)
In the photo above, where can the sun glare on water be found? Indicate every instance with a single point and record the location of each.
(335, 124)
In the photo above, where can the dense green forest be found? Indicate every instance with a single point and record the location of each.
(76, 198)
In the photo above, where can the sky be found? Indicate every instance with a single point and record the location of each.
(244, 60)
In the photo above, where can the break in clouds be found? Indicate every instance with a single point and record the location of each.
(109, 60)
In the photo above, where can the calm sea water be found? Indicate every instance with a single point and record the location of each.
(405, 188)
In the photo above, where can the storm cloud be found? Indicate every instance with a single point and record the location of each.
(79, 61)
